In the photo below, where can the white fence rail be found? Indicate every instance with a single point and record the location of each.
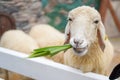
(41, 68)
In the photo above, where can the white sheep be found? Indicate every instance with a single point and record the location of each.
(82, 33)
(45, 35)
(19, 41)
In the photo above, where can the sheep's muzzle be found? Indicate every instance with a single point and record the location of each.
(81, 51)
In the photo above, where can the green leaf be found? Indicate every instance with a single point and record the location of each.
(38, 54)
(52, 50)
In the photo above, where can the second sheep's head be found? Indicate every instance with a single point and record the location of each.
(82, 29)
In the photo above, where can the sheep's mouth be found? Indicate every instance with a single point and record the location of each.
(81, 51)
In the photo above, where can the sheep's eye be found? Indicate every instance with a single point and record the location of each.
(96, 21)
(69, 19)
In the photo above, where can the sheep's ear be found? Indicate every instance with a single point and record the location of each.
(67, 34)
(101, 36)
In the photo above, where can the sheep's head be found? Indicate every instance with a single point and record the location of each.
(81, 29)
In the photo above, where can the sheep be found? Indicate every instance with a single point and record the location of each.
(19, 41)
(45, 35)
(81, 32)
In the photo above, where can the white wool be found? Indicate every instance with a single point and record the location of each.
(46, 35)
(19, 41)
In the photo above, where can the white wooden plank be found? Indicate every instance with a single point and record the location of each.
(41, 68)
(1, 79)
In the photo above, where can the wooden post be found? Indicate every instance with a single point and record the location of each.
(115, 18)
(103, 9)
(6, 75)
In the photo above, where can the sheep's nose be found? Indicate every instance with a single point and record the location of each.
(78, 42)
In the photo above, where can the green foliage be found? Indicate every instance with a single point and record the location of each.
(56, 11)
(51, 51)
(44, 3)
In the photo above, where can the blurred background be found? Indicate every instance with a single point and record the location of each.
(23, 14)
(54, 12)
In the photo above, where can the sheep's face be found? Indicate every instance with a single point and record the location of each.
(82, 28)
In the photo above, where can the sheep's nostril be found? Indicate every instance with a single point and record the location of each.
(81, 41)
(78, 42)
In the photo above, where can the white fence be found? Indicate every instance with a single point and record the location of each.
(41, 68)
